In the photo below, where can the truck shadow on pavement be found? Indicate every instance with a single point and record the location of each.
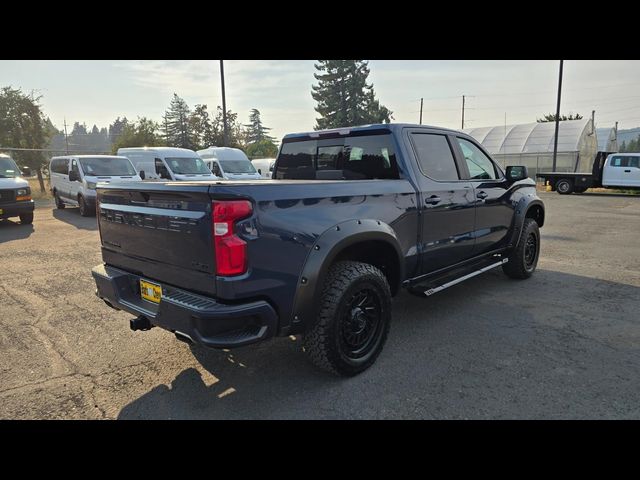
(486, 348)
(13, 230)
(72, 216)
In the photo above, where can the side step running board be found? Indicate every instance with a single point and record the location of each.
(433, 290)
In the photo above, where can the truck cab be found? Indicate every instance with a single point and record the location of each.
(622, 170)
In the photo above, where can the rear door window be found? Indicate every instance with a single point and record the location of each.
(620, 161)
(435, 157)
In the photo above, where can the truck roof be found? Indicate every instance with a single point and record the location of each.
(364, 128)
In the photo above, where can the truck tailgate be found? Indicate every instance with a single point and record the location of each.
(159, 230)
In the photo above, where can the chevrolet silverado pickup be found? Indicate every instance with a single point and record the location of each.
(350, 217)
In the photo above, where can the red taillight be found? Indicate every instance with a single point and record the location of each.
(231, 250)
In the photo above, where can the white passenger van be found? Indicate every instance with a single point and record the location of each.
(74, 178)
(264, 166)
(168, 163)
(229, 163)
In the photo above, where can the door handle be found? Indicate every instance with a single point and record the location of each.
(627, 171)
(482, 195)
(432, 200)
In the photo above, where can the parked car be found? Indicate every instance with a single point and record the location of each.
(15, 193)
(610, 170)
(359, 213)
(74, 178)
(264, 166)
(229, 163)
(167, 163)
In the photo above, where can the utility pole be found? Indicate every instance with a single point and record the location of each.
(66, 139)
(593, 122)
(421, 101)
(462, 112)
(555, 138)
(224, 106)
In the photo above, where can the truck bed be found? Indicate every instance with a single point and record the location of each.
(163, 230)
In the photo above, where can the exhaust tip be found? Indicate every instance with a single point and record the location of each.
(183, 337)
(140, 323)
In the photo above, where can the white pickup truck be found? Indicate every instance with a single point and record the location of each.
(610, 170)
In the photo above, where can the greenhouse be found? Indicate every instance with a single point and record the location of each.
(607, 139)
(531, 145)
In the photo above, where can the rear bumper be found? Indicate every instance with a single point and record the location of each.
(202, 319)
(16, 208)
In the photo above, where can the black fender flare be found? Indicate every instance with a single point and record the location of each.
(520, 213)
(322, 254)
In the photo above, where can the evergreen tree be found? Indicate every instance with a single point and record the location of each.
(176, 124)
(234, 127)
(343, 96)
(255, 131)
(551, 117)
(116, 128)
(202, 128)
(623, 147)
(95, 130)
(79, 129)
(103, 131)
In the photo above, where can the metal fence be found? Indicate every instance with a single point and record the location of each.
(543, 162)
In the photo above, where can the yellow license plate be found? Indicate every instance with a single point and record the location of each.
(150, 291)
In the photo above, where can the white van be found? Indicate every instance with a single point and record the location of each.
(73, 178)
(168, 163)
(229, 163)
(264, 166)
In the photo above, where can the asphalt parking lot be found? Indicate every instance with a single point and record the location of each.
(564, 344)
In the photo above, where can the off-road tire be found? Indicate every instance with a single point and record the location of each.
(326, 341)
(26, 218)
(520, 264)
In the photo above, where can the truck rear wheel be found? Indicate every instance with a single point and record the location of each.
(564, 186)
(354, 319)
(524, 257)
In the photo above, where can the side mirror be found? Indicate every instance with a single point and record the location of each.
(142, 174)
(26, 171)
(74, 176)
(260, 171)
(164, 173)
(517, 172)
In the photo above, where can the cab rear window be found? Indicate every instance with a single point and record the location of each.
(349, 158)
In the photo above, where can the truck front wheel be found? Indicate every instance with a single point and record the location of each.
(354, 319)
(524, 257)
(564, 186)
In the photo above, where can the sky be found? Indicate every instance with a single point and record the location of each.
(98, 91)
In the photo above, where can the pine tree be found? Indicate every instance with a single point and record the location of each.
(343, 96)
(202, 128)
(177, 128)
(255, 131)
(116, 128)
(95, 130)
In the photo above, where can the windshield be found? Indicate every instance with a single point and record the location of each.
(8, 168)
(237, 166)
(187, 165)
(107, 166)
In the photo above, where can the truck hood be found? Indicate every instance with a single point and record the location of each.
(16, 182)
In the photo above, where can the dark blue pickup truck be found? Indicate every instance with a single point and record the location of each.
(350, 217)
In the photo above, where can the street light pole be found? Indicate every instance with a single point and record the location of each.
(555, 138)
(224, 106)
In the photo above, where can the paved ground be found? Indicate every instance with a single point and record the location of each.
(564, 344)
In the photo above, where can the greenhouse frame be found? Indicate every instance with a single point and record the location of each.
(531, 145)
